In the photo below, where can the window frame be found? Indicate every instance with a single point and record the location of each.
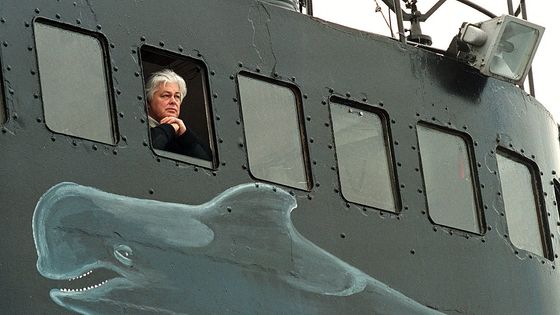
(300, 122)
(471, 157)
(206, 94)
(3, 97)
(387, 136)
(104, 43)
(539, 199)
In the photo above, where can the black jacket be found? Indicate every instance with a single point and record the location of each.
(164, 138)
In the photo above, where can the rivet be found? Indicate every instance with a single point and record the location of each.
(115, 68)
(5, 44)
(240, 64)
(324, 102)
(37, 10)
(308, 118)
(276, 74)
(180, 48)
(212, 72)
(98, 26)
(231, 77)
(348, 94)
(311, 140)
(2, 20)
(32, 72)
(39, 120)
(151, 191)
(145, 143)
(293, 79)
(35, 95)
(124, 138)
(78, 21)
(220, 140)
(136, 74)
(143, 38)
(139, 97)
(234, 99)
(94, 147)
(121, 114)
(364, 99)
(218, 117)
(258, 70)
(8, 67)
(380, 103)
(58, 16)
(331, 91)
(342, 235)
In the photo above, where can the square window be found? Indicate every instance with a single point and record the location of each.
(196, 145)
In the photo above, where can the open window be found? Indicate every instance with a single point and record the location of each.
(75, 85)
(449, 178)
(523, 204)
(274, 132)
(195, 109)
(363, 155)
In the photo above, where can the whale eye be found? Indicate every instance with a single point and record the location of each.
(123, 254)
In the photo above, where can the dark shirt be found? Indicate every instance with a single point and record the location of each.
(164, 138)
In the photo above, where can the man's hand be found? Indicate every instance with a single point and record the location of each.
(177, 124)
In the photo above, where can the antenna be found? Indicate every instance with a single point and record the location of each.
(416, 17)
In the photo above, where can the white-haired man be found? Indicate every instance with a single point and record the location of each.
(165, 91)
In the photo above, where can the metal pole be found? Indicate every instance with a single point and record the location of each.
(510, 7)
(398, 11)
(531, 78)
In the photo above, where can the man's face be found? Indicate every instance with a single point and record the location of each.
(165, 102)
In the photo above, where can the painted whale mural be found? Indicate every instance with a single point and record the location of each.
(238, 253)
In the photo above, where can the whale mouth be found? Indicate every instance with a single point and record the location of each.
(91, 280)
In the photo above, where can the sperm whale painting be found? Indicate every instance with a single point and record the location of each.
(238, 253)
